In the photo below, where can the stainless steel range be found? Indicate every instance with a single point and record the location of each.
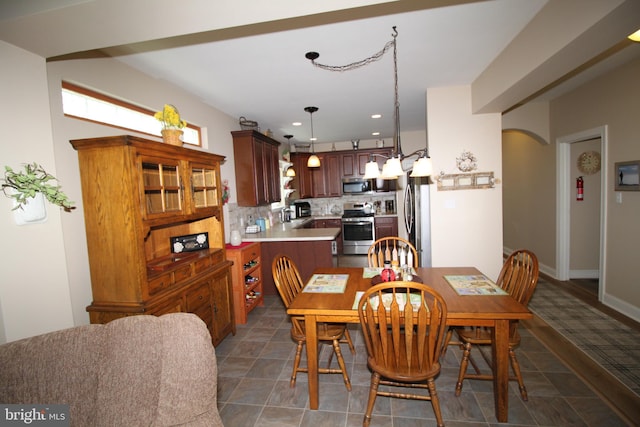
(358, 230)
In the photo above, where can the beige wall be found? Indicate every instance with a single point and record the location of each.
(528, 197)
(612, 100)
(34, 296)
(466, 225)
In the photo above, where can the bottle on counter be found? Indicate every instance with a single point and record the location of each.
(402, 256)
(387, 274)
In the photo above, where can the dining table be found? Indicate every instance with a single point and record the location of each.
(489, 310)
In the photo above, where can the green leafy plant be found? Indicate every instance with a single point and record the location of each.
(33, 179)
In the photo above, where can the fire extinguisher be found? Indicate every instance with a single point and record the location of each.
(580, 188)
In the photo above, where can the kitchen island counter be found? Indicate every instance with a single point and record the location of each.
(292, 232)
(309, 248)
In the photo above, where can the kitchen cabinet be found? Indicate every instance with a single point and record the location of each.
(247, 278)
(307, 255)
(331, 223)
(257, 170)
(386, 226)
(303, 181)
(327, 179)
(139, 196)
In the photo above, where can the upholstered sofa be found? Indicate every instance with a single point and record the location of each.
(138, 370)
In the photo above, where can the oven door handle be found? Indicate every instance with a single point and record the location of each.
(358, 223)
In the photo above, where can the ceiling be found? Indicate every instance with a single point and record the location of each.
(266, 77)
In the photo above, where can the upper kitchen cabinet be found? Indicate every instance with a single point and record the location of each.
(303, 181)
(257, 170)
(327, 179)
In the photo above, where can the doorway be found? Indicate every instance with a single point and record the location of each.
(565, 186)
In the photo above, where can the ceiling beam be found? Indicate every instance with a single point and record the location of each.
(565, 38)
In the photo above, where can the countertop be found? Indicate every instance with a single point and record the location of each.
(293, 231)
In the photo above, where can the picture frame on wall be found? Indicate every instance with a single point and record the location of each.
(627, 176)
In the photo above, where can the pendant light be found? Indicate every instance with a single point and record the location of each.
(290, 170)
(314, 161)
(392, 168)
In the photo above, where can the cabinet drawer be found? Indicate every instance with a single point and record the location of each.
(217, 257)
(160, 283)
(250, 255)
(202, 264)
(198, 297)
(182, 274)
(173, 306)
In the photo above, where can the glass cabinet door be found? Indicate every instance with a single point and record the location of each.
(204, 187)
(162, 187)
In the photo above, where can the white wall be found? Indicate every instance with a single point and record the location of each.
(34, 296)
(466, 225)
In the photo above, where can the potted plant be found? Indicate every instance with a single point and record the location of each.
(172, 124)
(25, 184)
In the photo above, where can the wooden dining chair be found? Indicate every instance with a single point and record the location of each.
(519, 277)
(383, 249)
(288, 282)
(404, 341)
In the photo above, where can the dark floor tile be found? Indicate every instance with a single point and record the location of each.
(235, 366)
(266, 368)
(280, 417)
(553, 411)
(569, 385)
(324, 419)
(595, 413)
(235, 415)
(252, 391)
(226, 385)
(518, 413)
(289, 397)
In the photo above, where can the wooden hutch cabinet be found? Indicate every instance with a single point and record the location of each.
(247, 278)
(138, 196)
(257, 168)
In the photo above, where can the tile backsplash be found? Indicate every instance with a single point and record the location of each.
(238, 217)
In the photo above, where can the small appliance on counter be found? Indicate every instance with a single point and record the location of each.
(303, 209)
(390, 206)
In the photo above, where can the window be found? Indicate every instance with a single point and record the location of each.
(93, 106)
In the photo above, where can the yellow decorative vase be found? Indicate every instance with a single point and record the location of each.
(172, 136)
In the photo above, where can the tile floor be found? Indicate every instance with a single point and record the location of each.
(255, 367)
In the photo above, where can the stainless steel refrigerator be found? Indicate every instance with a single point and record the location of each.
(417, 217)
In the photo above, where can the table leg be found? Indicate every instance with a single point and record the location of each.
(311, 330)
(500, 353)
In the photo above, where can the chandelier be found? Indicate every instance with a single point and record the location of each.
(392, 168)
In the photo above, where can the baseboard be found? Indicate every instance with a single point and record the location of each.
(584, 274)
(622, 306)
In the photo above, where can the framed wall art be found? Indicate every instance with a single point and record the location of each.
(627, 176)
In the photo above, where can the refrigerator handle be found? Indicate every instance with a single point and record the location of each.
(408, 209)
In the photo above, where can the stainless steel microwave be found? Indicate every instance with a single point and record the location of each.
(355, 186)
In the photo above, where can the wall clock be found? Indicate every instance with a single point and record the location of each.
(589, 162)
